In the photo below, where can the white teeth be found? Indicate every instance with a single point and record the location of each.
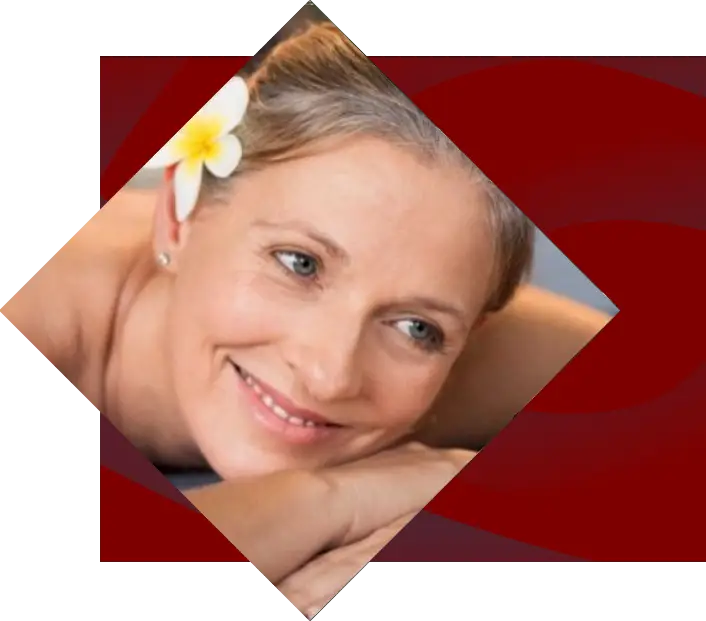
(279, 411)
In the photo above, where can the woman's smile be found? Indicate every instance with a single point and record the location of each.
(280, 415)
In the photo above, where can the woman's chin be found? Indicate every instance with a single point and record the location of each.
(254, 453)
(256, 464)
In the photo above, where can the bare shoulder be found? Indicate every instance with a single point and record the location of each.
(66, 308)
(507, 362)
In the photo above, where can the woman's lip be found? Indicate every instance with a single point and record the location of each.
(283, 402)
(286, 429)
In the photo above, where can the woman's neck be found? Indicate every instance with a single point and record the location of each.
(138, 396)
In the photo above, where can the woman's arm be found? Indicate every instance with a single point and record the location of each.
(317, 583)
(508, 361)
(282, 520)
(277, 521)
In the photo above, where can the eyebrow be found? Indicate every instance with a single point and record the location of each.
(302, 227)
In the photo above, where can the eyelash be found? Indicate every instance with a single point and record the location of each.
(437, 346)
(277, 254)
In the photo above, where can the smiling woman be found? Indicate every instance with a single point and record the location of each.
(322, 282)
(323, 304)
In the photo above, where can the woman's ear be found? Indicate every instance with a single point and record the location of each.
(170, 235)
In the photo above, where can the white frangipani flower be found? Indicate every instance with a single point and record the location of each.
(205, 141)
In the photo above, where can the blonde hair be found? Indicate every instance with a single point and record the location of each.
(317, 85)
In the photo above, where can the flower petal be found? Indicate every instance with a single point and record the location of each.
(227, 156)
(228, 104)
(187, 183)
(169, 154)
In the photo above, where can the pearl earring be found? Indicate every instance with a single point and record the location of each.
(163, 259)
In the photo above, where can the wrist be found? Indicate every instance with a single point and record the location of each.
(335, 496)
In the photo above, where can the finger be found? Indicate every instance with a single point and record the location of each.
(385, 533)
(404, 520)
(314, 585)
(380, 538)
(461, 457)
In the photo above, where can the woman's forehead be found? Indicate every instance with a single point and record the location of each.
(367, 181)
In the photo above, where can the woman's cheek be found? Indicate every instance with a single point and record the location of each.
(405, 396)
(253, 310)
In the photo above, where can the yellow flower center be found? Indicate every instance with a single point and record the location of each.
(199, 140)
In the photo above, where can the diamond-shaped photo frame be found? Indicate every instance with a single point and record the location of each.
(59, 361)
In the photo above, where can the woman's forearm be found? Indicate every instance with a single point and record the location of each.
(282, 520)
(278, 521)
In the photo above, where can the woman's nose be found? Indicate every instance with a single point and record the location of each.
(325, 360)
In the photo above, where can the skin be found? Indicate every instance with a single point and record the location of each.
(337, 344)
(334, 569)
(154, 348)
(282, 520)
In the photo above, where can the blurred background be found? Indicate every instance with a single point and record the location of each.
(553, 271)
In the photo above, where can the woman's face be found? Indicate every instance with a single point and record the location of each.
(316, 316)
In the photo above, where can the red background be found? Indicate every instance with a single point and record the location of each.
(608, 158)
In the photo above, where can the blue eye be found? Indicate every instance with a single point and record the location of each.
(299, 263)
(422, 333)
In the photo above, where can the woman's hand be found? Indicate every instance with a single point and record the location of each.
(378, 490)
(318, 582)
(282, 520)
